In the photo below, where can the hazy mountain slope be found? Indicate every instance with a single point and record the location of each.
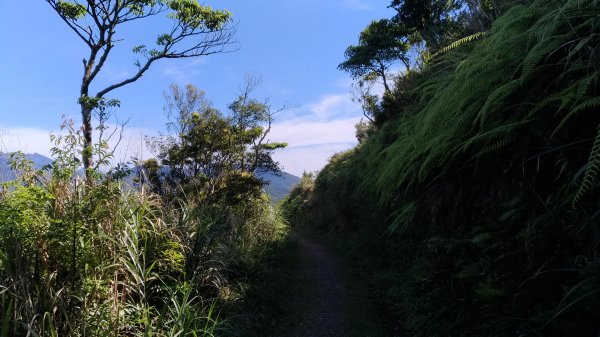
(6, 174)
(279, 185)
(277, 188)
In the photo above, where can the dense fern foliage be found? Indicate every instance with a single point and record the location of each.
(478, 202)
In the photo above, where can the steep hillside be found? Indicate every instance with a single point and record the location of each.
(473, 208)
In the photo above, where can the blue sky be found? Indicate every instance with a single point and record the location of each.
(294, 46)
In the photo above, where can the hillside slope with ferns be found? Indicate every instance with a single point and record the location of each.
(474, 207)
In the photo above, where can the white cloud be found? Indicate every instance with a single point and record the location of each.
(183, 71)
(309, 133)
(36, 140)
(311, 144)
(296, 160)
(333, 106)
(132, 144)
(327, 127)
(111, 74)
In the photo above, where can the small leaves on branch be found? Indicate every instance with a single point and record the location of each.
(197, 30)
(190, 14)
(70, 10)
(98, 103)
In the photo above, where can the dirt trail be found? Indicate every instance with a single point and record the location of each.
(316, 305)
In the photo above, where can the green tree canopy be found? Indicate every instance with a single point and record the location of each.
(380, 45)
(213, 152)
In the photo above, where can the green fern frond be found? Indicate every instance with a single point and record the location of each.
(567, 101)
(458, 43)
(501, 130)
(497, 95)
(559, 96)
(582, 44)
(591, 171)
(584, 85)
(473, 106)
(495, 146)
(590, 103)
(541, 50)
(402, 218)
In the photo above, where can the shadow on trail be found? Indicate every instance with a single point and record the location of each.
(316, 303)
(325, 295)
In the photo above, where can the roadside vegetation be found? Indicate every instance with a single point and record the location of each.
(471, 201)
(167, 247)
(161, 247)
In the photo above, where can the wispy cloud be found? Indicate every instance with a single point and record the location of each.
(183, 71)
(358, 5)
(311, 133)
(333, 106)
(328, 106)
(111, 74)
(316, 132)
(297, 160)
(28, 140)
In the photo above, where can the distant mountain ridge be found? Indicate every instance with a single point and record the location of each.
(279, 185)
(6, 174)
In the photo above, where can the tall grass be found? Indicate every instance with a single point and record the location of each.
(115, 260)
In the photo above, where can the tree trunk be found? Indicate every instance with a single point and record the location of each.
(385, 84)
(88, 162)
(386, 87)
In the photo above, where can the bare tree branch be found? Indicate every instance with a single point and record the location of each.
(76, 28)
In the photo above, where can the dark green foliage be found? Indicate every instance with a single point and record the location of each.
(431, 20)
(463, 199)
(293, 205)
(440, 22)
(457, 118)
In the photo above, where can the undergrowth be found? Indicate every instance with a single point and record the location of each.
(112, 259)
